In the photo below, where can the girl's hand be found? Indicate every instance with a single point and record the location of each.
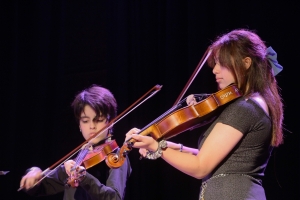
(143, 152)
(190, 100)
(145, 142)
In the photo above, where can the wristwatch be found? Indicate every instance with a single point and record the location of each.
(163, 144)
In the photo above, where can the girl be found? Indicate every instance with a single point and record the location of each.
(235, 149)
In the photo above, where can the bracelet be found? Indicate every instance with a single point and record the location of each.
(181, 147)
(153, 155)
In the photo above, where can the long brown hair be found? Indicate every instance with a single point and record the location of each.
(231, 49)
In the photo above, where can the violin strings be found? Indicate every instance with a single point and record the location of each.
(198, 97)
(80, 156)
(163, 115)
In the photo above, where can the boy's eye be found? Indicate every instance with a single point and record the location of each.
(101, 120)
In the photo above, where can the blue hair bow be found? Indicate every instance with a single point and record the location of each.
(272, 58)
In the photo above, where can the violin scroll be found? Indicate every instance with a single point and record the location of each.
(99, 153)
(116, 160)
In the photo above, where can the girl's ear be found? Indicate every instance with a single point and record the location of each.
(247, 61)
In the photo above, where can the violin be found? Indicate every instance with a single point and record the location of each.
(89, 158)
(180, 120)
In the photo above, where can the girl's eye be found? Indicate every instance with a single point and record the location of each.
(84, 121)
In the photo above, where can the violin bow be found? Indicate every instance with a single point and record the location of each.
(128, 110)
(196, 71)
(205, 56)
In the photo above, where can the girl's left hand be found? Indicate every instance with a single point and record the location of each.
(145, 142)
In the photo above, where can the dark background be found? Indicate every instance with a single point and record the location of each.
(50, 50)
